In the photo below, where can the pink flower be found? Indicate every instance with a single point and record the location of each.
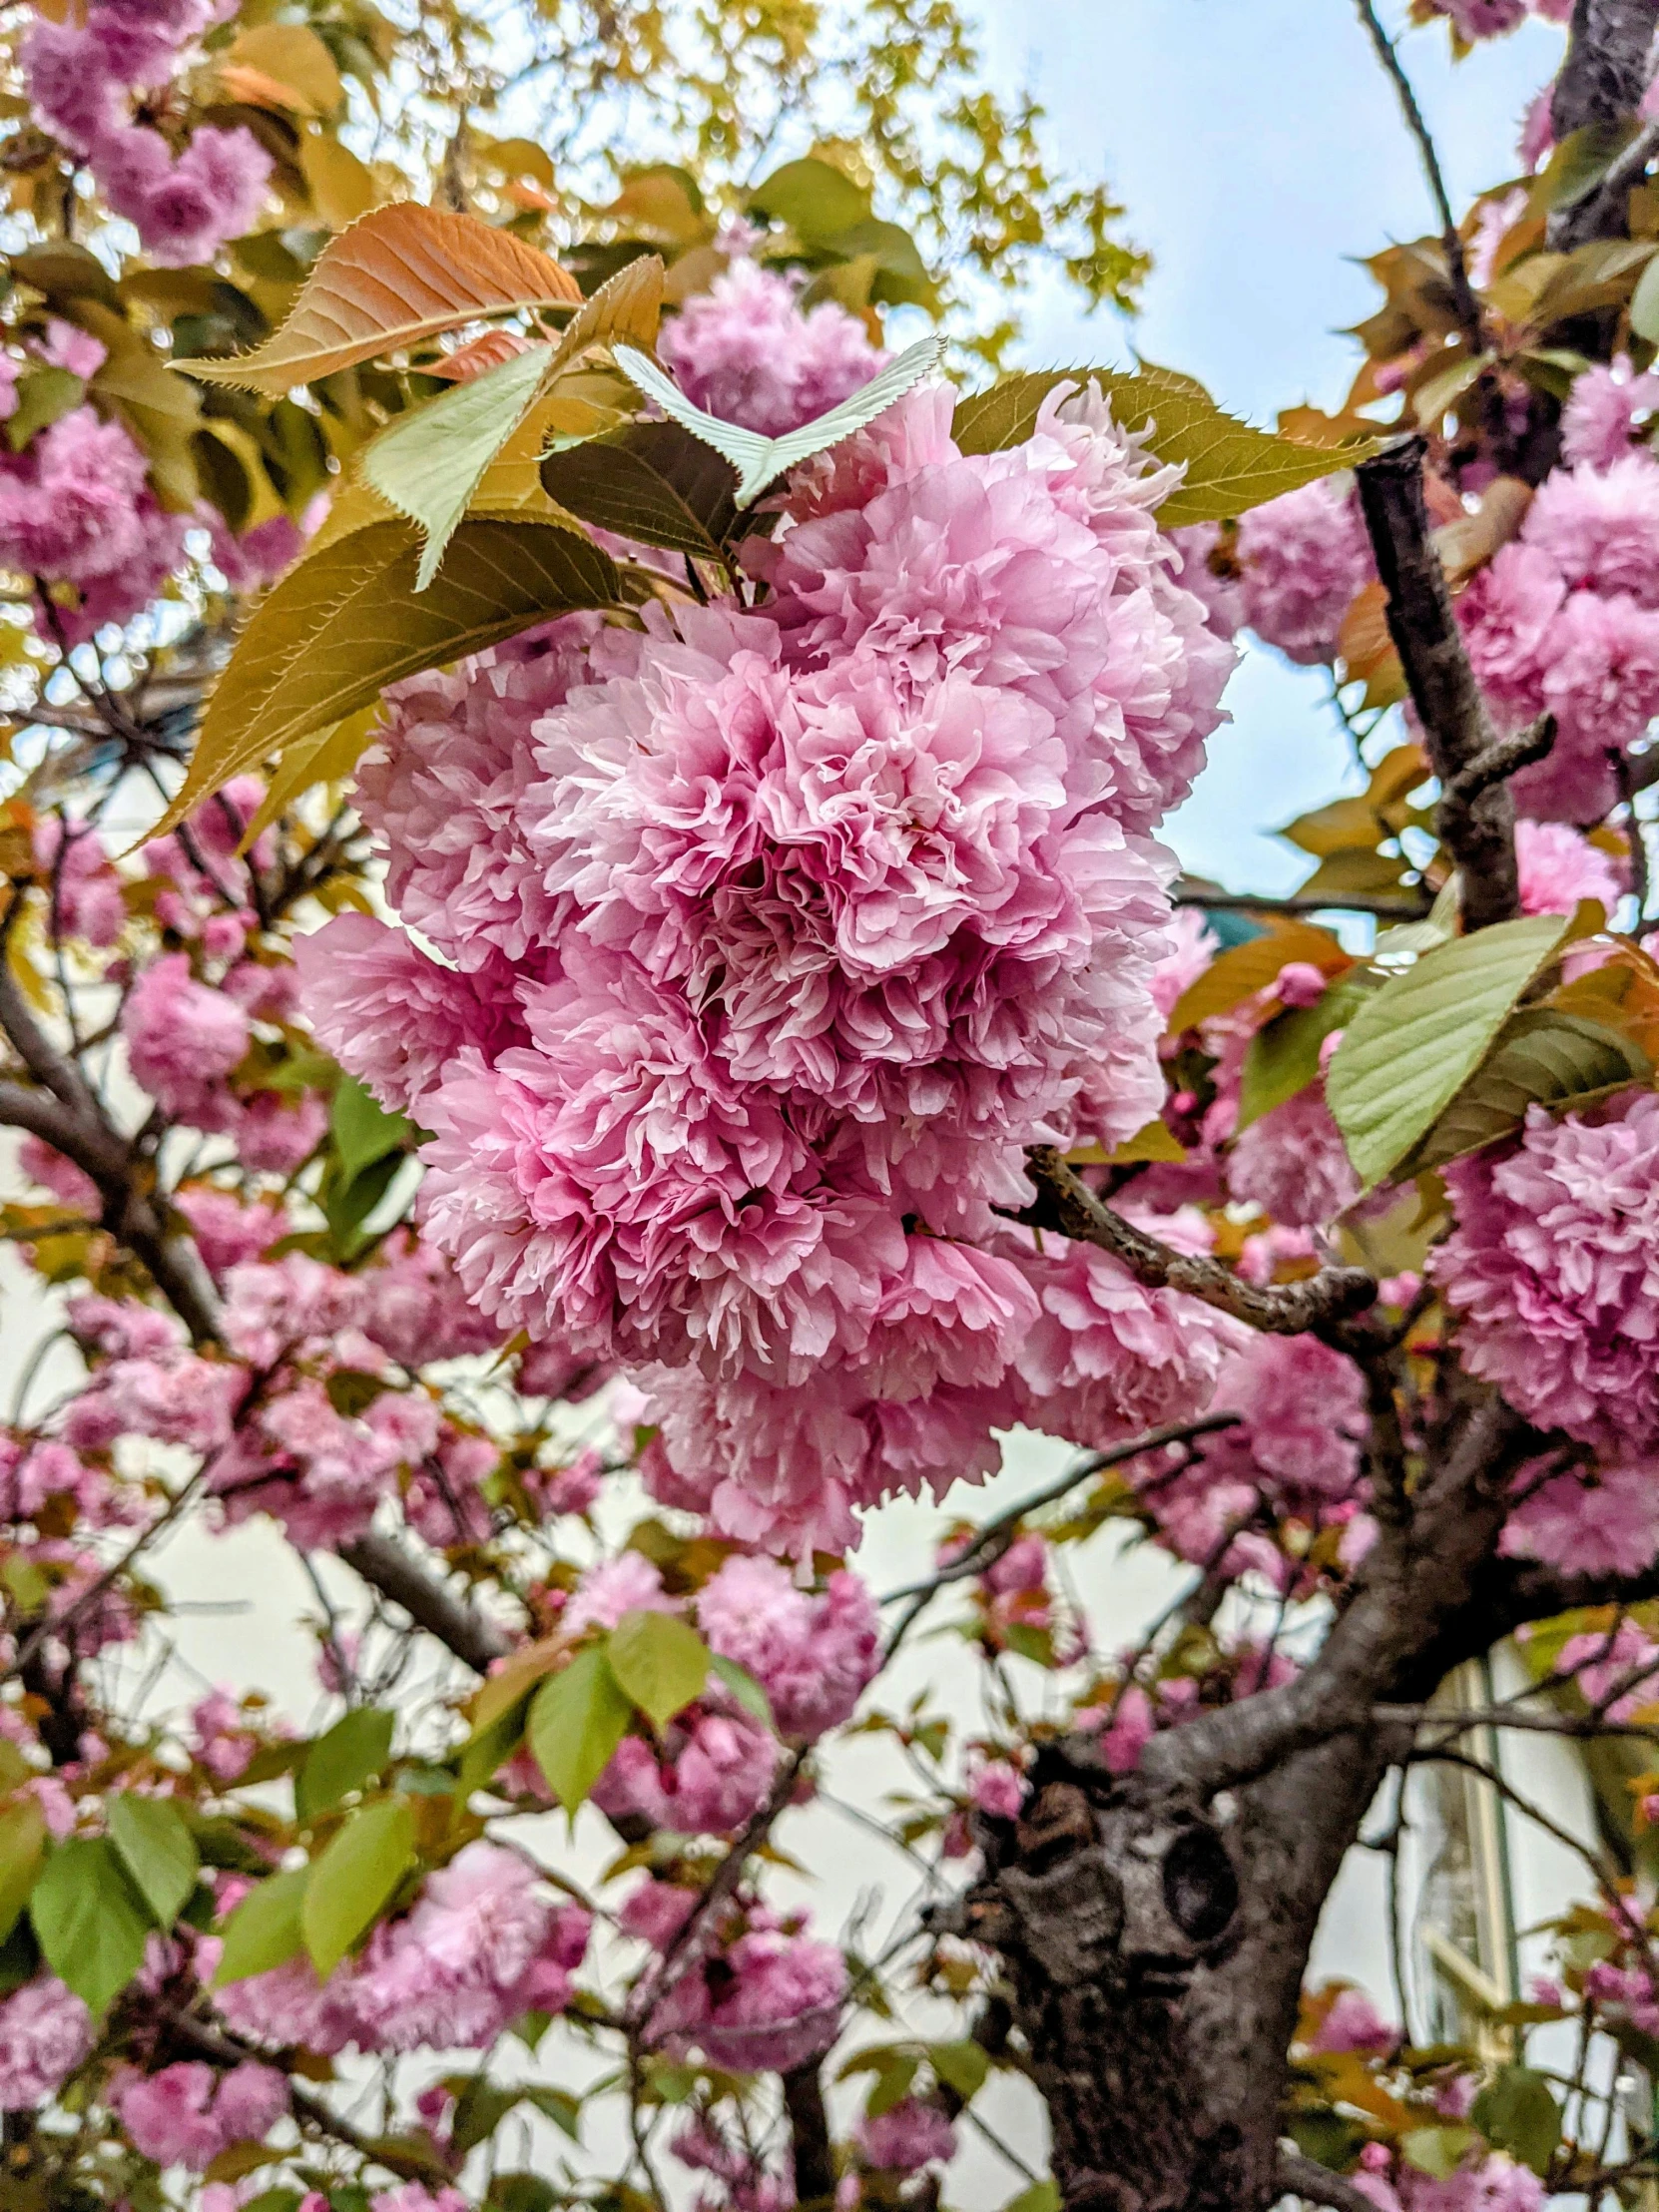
(1293, 1163)
(1304, 559)
(1617, 1674)
(745, 350)
(444, 786)
(1195, 945)
(183, 208)
(68, 1183)
(811, 1654)
(1552, 1271)
(630, 1583)
(45, 2033)
(768, 2000)
(1609, 412)
(1558, 868)
(1352, 2022)
(182, 1038)
(905, 2137)
(227, 1231)
(83, 891)
(713, 1773)
(188, 2113)
(999, 1790)
(394, 1017)
(1600, 526)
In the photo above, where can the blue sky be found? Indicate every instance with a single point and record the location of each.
(1256, 146)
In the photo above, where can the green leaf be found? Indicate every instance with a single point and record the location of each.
(651, 481)
(263, 1930)
(577, 1719)
(564, 2110)
(1284, 1055)
(660, 1661)
(1437, 2151)
(157, 1849)
(760, 460)
(1414, 1043)
(816, 200)
(1230, 467)
(1544, 1058)
(1517, 2111)
(1644, 303)
(354, 1878)
(22, 1847)
(480, 2107)
(355, 1749)
(89, 1918)
(429, 462)
(745, 1689)
(362, 1130)
(347, 619)
(961, 2066)
(891, 2085)
(520, 2192)
(1578, 164)
(1041, 2196)
(44, 395)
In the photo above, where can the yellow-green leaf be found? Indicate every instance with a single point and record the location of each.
(329, 758)
(1415, 1042)
(347, 621)
(157, 1849)
(577, 1719)
(1543, 1057)
(354, 1878)
(263, 1930)
(401, 275)
(348, 1754)
(1230, 467)
(1242, 969)
(660, 1661)
(292, 62)
(22, 1844)
(429, 462)
(89, 1921)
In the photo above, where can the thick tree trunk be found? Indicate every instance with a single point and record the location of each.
(1156, 1928)
(1155, 1953)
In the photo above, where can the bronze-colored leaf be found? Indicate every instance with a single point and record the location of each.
(401, 275)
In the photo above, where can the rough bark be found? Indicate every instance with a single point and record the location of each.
(1601, 85)
(1156, 1928)
(1480, 833)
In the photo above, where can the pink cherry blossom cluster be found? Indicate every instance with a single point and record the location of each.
(1294, 1455)
(759, 1994)
(1302, 559)
(1565, 617)
(272, 1438)
(82, 80)
(1479, 19)
(776, 936)
(76, 508)
(482, 1944)
(1550, 1272)
(745, 350)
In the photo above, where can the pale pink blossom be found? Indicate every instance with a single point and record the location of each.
(812, 1653)
(45, 2033)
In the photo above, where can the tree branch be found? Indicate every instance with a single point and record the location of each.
(809, 2146)
(1482, 835)
(384, 1564)
(1301, 902)
(1602, 84)
(1319, 1305)
(1317, 2184)
(1462, 294)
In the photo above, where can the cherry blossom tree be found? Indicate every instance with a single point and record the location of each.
(591, 993)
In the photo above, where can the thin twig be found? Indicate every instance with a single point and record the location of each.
(1305, 2178)
(1468, 306)
(1302, 902)
(1320, 1304)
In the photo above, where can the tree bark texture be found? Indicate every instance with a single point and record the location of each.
(1155, 1928)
